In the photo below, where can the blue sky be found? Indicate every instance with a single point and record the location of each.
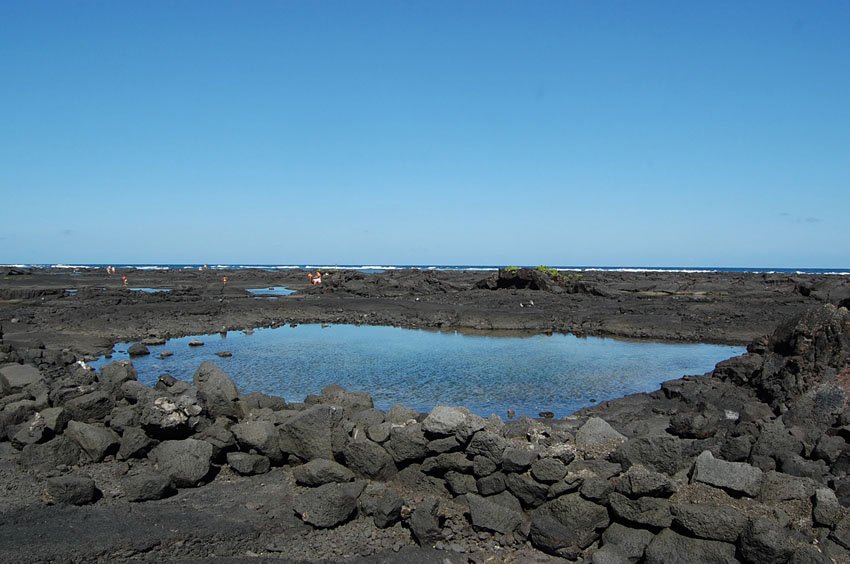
(570, 132)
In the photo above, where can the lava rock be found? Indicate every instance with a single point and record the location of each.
(444, 420)
(567, 525)
(216, 390)
(146, 486)
(638, 481)
(186, 462)
(90, 408)
(60, 451)
(138, 349)
(669, 547)
(407, 444)
(425, 523)
(517, 459)
(709, 521)
(70, 490)
(644, 511)
(735, 477)
(96, 442)
(329, 505)
(248, 464)
(388, 509)
(765, 540)
(134, 444)
(489, 516)
(596, 438)
(548, 470)
(321, 471)
(369, 459)
(307, 435)
(632, 542)
(261, 436)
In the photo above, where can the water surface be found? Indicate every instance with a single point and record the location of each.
(420, 369)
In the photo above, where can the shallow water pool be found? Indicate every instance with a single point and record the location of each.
(420, 369)
(271, 291)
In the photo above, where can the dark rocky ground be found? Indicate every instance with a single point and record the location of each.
(749, 464)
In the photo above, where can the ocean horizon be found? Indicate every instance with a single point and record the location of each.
(376, 268)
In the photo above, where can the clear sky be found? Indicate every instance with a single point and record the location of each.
(443, 132)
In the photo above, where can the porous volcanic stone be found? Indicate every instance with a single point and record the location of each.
(669, 547)
(146, 486)
(95, 441)
(186, 462)
(736, 477)
(708, 521)
(425, 523)
(491, 516)
(645, 511)
(320, 471)
(329, 505)
(569, 522)
(248, 464)
(70, 490)
(444, 420)
(216, 390)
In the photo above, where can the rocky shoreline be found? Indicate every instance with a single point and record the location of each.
(747, 464)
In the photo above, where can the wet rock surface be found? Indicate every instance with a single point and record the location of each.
(749, 463)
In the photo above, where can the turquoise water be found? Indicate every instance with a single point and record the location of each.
(271, 291)
(420, 369)
(150, 290)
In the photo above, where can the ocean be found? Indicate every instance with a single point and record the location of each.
(464, 267)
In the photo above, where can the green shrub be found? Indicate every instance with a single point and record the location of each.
(548, 270)
(511, 268)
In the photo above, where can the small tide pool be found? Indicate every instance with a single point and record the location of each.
(150, 290)
(271, 291)
(421, 369)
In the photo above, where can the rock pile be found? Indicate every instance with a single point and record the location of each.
(747, 464)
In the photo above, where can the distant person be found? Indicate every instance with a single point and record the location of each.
(124, 279)
(315, 278)
(224, 280)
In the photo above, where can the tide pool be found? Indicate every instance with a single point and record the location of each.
(421, 369)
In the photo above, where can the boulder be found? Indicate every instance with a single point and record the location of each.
(567, 525)
(425, 523)
(186, 462)
(329, 505)
(709, 521)
(248, 464)
(669, 547)
(95, 441)
(735, 477)
(631, 542)
(90, 408)
(489, 516)
(407, 444)
(483, 466)
(321, 471)
(444, 420)
(216, 390)
(662, 453)
(460, 484)
(134, 444)
(19, 376)
(45, 457)
(113, 375)
(146, 486)
(138, 349)
(388, 509)
(765, 540)
(369, 460)
(638, 481)
(827, 511)
(70, 490)
(447, 462)
(777, 486)
(526, 489)
(219, 436)
(487, 444)
(307, 435)
(492, 484)
(518, 459)
(334, 394)
(548, 470)
(261, 436)
(596, 438)
(643, 511)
